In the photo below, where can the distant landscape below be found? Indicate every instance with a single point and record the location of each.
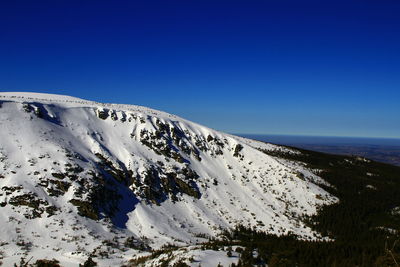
(380, 149)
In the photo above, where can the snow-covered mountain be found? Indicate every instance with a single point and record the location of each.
(80, 178)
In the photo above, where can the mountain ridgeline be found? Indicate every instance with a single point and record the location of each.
(128, 185)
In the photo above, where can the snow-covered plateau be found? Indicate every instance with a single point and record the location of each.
(81, 178)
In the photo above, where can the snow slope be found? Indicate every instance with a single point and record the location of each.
(81, 178)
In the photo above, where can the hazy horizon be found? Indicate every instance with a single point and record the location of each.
(311, 136)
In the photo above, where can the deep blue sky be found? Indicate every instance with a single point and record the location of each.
(277, 67)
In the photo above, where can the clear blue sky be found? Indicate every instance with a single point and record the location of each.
(266, 67)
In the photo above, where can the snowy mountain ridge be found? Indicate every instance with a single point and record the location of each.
(80, 178)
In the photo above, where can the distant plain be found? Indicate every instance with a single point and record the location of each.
(385, 150)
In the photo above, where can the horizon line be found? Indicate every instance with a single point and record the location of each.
(315, 135)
